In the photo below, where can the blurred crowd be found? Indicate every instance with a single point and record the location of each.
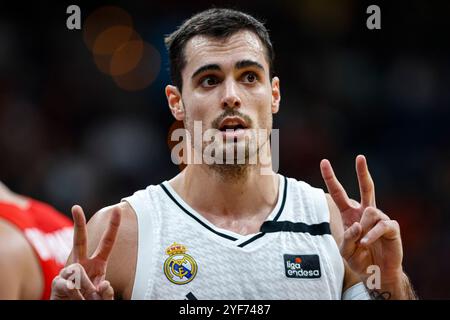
(69, 133)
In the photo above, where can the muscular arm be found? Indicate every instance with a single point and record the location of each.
(122, 262)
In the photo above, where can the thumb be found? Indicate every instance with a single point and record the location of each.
(351, 236)
(105, 290)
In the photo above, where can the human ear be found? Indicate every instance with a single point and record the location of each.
(175, 102)
(276, 95)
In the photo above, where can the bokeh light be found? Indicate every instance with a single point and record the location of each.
(119, 51)
(145, 72)
(102, 19)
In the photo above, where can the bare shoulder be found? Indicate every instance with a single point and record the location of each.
(13, 244)
(128, 225)
(120, 274)
(336, 225)
(19, 270)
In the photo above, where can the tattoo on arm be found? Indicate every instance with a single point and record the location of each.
(407, 292)
(378, 295)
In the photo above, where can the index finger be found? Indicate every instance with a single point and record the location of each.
(336, 190)
(366, 186)
(109, 236)
(79, 234)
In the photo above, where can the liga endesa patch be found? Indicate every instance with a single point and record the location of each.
(305, 266)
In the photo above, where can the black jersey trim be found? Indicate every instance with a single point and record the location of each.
(319, 229)
(194, 217)
(259, 235)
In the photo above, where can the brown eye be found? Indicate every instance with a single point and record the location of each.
(208, 81)
(250, 77)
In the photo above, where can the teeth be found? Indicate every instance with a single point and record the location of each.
(234, 127)
(231, 124)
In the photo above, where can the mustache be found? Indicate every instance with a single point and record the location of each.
(231, 113)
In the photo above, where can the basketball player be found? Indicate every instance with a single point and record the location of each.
(35, 241)
(227, 231)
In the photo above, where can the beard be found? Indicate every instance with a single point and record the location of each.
(232, 159)
(237, 156)
(237, 166)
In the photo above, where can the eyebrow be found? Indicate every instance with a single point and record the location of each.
(208, 67)
(239, 65)
(248, 63)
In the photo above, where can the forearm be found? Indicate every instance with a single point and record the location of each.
(396, 289)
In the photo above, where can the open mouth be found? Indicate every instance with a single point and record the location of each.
(233, 123)
(231, 127)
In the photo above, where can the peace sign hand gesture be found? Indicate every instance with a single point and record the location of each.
(85, 278)
(370, 236)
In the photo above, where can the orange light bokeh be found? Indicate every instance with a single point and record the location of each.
(119, 51)
(102, 19)
(127, 57)
(144, 73)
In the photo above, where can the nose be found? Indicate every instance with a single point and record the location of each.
(231, 96)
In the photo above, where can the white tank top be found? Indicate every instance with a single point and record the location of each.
(181, 255)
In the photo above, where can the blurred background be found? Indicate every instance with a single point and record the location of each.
(84, 121)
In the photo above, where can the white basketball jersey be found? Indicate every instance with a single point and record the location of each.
(181, 255)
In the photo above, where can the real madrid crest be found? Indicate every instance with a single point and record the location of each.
(179, 267)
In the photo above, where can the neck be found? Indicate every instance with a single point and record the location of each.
(228, 191)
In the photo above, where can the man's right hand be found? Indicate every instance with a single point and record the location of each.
(85, 278)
